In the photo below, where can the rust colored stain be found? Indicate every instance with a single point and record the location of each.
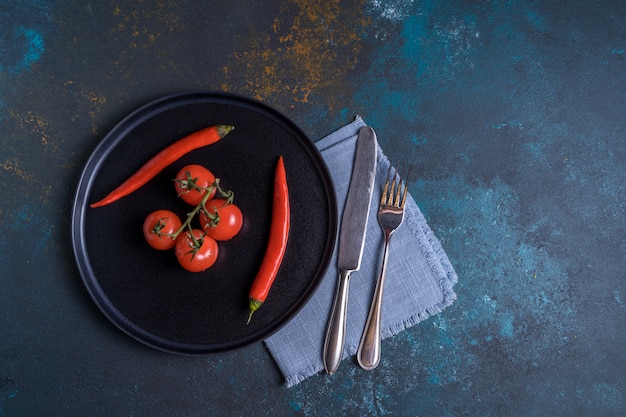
(12, 165)
(133, 21)
(37, 125)
(139, 28)
(304, 54)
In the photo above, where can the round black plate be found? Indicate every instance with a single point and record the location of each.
(145, 292)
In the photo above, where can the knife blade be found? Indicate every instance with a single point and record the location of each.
(351, 242)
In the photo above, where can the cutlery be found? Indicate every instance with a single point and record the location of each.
(351, 242)
(390, 216)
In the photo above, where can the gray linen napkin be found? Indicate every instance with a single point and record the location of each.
(419, 282)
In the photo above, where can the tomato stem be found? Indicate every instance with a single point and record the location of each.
(229, 195)
(191, 215)
(189, 184)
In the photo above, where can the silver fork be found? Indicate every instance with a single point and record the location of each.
(390, 216)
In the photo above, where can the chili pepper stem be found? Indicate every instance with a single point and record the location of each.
(254, 306)
(223, 130)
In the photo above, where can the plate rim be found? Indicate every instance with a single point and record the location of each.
(89, 174)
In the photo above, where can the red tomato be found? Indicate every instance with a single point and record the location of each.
(196, 252)
(159, 226)
(192, 182)
(223, 220)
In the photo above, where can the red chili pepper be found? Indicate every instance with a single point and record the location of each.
(279, 233)
(164, 158)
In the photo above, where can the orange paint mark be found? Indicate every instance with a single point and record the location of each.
(37, 125)
(309, 55)
(140, 28)
(13, 166)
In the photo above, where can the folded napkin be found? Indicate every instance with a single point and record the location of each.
(419, 281)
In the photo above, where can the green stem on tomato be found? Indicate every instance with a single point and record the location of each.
(191, 215)
(188, 184)
(227, 194)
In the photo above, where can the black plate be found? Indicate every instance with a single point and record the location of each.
(145, 292)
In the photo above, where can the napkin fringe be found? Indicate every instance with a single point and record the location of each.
(439, 253)
(436, 257)
(294, 379)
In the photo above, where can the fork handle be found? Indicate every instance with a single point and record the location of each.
(368, 354)
(336, 331)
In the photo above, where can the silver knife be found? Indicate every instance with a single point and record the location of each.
(351, 242)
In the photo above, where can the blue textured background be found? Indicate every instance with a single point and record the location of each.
(513, 113)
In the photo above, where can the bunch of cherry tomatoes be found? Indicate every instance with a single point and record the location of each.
(196, 246)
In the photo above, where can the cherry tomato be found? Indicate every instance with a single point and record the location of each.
(192, 182)
(223, 221)
(196, 252)
(158, 227)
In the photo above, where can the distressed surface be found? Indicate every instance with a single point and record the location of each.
(513, 112)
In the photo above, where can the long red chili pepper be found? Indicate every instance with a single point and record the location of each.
(170, 154)
(279, 234)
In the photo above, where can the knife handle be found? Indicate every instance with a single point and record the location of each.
(336, 331)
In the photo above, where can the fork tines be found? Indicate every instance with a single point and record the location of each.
(393, 193)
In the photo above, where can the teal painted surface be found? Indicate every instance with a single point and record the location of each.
(512, 113)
